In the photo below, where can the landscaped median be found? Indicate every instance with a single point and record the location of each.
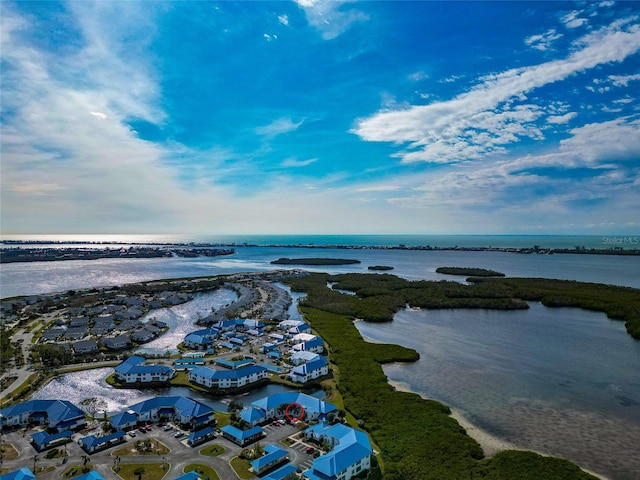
(141, 471)
(204, 471)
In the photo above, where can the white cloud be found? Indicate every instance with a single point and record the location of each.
(572, 19)
(278, 127)
(379, 188)
(623, 80)
(101, 115)
(295, 163)
(561, 119)
(492, 114)
(284, 20)
(329, 17)
(544, 41)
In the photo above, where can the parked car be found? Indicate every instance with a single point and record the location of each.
(148, 427)
(142, 429)
(178, 434)
(166, 428)
(132, 433)
(310, 450)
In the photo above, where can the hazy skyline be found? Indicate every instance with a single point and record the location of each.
(320, 117)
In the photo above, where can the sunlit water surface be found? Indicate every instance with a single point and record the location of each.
(562, 381)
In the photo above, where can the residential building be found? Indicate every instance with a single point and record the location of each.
(84, 347)
(133, 370)
(183, 410)
(239, 377)
(92, 444)
(310, 370)
(350, 455)
(121, 342)
(56, 414)
(274, 406)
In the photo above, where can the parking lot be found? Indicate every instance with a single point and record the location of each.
(180, 454)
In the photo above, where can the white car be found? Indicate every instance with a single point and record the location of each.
(166, 428)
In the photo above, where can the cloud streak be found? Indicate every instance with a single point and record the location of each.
(493, 113)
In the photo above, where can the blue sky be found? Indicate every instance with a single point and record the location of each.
(320, 117)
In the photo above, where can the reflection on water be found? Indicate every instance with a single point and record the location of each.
(181, 319)
(77, 386)
(561, 381)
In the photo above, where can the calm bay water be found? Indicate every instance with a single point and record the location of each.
(42, 277)
(77, 386)
(561, 381)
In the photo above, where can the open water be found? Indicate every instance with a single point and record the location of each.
(560, 381)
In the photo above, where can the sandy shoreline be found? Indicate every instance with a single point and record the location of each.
(490, 443)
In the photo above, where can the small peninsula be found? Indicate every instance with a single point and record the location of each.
(469, 272)
(314, 261)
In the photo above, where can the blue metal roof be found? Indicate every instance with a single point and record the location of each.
(310, 404)
(42, 439)
(192, 475)
(92, 475)
(92, 440)
(274, 454)
(123, 418)
(22, 474)
(235, 432)
(228, 374)
(252, 414)
(201, 433)
(57, 410)
(282, 472)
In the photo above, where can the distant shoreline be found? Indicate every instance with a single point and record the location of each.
(196, 247)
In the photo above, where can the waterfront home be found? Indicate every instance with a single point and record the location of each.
(241, 437)
(133, 370)
(188, 363)
(196, 341)
(307, 343)
(293, 327)
(144, 335)
(350, 455)
(252, 416)
(55, 414)
(310, 370)
(120, 342)
(235, 378)
(92, 444)
(274, 406)
(300, 357)
(183, 410)
(273, 457)
(84, 347)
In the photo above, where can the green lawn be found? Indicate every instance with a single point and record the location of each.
(203, 470)
(212, 450)
(241, 467)
(152, 471)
